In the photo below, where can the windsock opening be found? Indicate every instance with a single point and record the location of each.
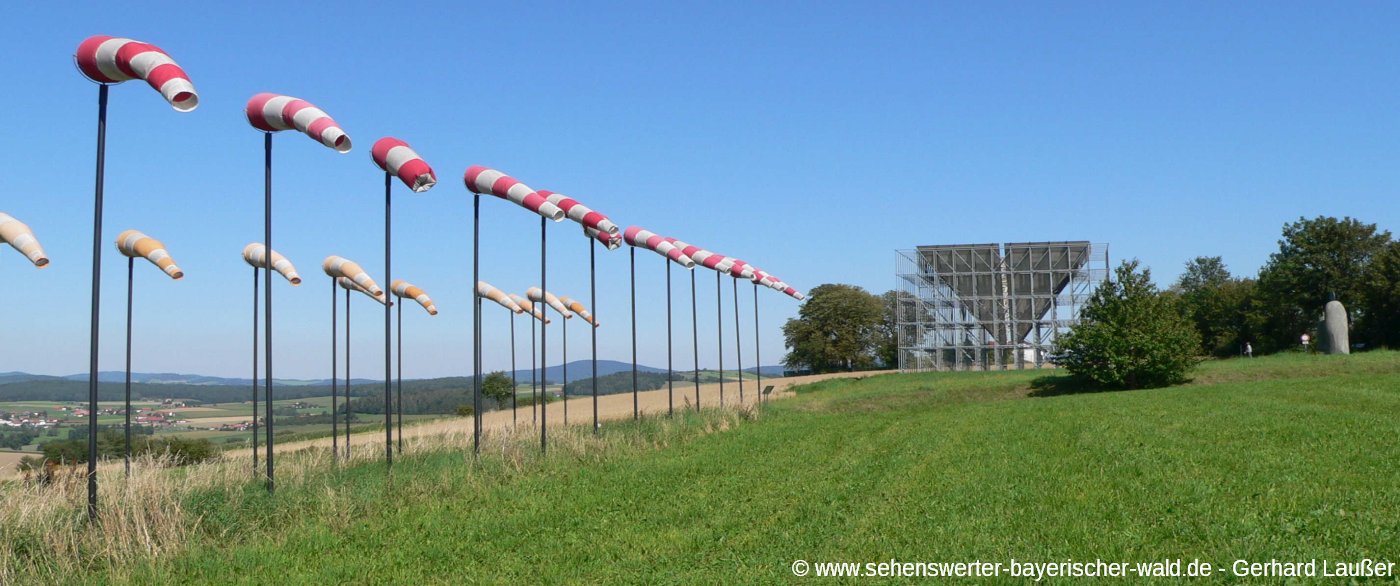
(111, 60)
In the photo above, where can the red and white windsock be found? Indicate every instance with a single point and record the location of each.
(741, 269)
(404, 289)
(395, 157)
(135, 244)
(339, 266)
(488, 291)
(271, 113)
(706, 258)
(17, 234)
(105, 59)
(350, 285)
(658, 244)
(610, 241)
(529, 308)
(794, 293)
(537, 295)
(581, 213)
(578, 309)
(256, 254)
(490, 181)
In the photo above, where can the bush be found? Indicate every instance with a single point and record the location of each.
(1130, 336)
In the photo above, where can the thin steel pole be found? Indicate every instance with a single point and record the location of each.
(719, 335)
(335, 381)
(544, 349)
(513, 384)
(267, 302)
(388, 330)
(564, 335)
(534, 398)
(476, 324)
(670, 378)
(757, 360)
(96, 300)
(130, 269)
(255, 370)
(593, 329)
(636, 406)
(398, 362)
(738, 347)
(347, 375)
(695, 337)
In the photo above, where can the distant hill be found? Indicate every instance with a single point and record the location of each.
(158, 378)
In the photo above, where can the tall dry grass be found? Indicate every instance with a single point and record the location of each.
(45, 536)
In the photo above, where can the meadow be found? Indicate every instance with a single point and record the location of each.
(1287, 457)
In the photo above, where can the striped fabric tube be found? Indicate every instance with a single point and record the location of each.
(105, 59)
(580, 213)
(17, 234)
(794, 293)
(610, 241)
(135, 244)
(741, 269)
(403, 289)
(488, 181)
(646, 239)
(529, 308)
(254, 254)
(578, 309)
(339, 266)
(537, 295)
(350, 285)
(271, 113)
(395, 157)
(706, 258)
(488, 291)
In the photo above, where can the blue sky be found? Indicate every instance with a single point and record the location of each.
(812, 139)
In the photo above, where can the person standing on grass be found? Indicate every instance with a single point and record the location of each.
(1248, 350)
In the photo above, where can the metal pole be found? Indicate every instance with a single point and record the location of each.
(670, 382)
(335, 380)
(96, 300)
(513, 384)
(255, 370)
(388, 330)
(719, 335)
(398, 361)
(593, 330)
(636, 407)
(695, 337)
(476, 324)
(534, 398)
(267, 301)
(757, 361)
(544, 349)
(738, 348)
(564, 335)
(347, 375)
(126, 456)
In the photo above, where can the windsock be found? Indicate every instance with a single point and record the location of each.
(337, 266)
(610, 241)
(105, 59)
(645, 239)
(404, 289)
(254, 255)
(794, 293)
(581, 213)
(490, 181)
(394, 156)
(741, 269)
(350, 285)
(133, 244)
(706, 258)
(529, 307)
(18, 235)
(486, 290)
(537, 295)
(271, 113)
(578, 309)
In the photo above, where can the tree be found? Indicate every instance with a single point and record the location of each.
(1218, 305)
(1380, 292)
(1130, 335)
(888, 349)
(836, 328)
(498, 387)
(1317, 259)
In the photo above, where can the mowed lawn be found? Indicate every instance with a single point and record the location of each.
(1288, 458)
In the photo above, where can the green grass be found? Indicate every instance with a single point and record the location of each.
(1291, 457)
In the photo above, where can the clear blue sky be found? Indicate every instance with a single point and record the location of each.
(812, 139)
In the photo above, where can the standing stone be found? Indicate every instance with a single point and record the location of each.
(1334, 322)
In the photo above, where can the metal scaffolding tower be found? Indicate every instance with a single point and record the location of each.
(992, 306)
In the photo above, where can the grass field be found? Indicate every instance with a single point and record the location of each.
(1290, 458)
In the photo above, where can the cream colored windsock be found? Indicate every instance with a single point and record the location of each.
(133, 244)
(578, 309)
(537, 295)
(486, 290)
(339, 266)
(404, 289)
(529, 308)
(256, 254)
(18, 235)
(350, 285)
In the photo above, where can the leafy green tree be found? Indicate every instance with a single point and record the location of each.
(498, 387)
(836, 328)
(1218, 305)
(1130, 335)
(888, 350)
(1381, 293)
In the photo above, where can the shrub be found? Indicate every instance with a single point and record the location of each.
(1130, 335)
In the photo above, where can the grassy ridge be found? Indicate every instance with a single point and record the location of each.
(1292, 457)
